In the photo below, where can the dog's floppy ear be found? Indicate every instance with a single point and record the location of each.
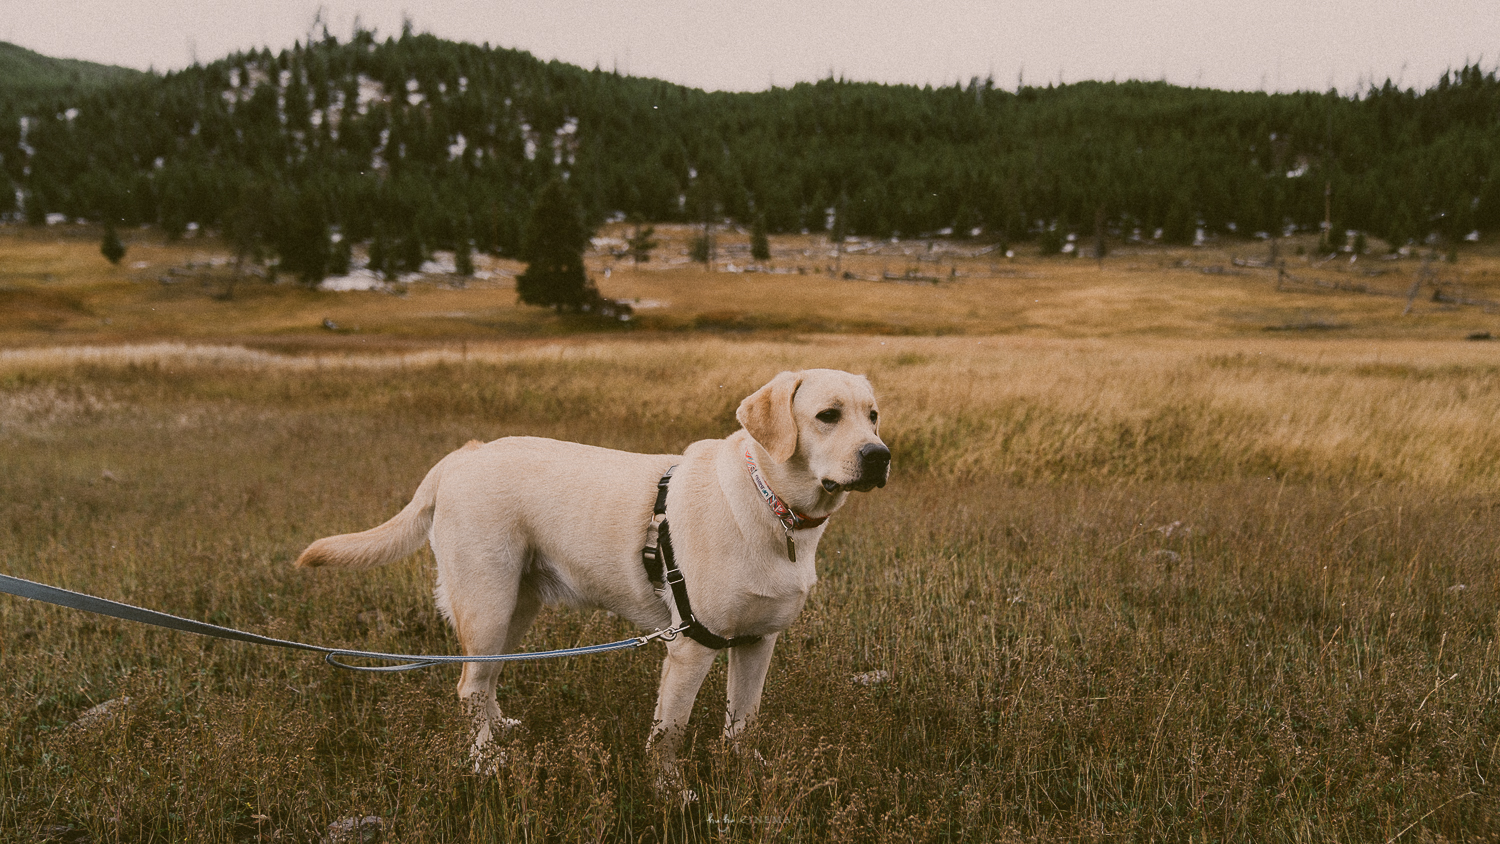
(767, 415)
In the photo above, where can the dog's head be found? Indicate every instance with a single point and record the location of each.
(824, 419)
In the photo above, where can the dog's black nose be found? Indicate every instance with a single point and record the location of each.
(874, 463)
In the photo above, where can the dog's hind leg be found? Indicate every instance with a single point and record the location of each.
(491, 607)
(482, 635)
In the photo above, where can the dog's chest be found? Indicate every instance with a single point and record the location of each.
(781, 586)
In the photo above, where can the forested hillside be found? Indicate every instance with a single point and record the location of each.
(28, 78)
(422, 142)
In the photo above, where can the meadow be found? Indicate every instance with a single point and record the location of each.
(1146, 570)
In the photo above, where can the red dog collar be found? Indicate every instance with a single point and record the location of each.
(789, 517)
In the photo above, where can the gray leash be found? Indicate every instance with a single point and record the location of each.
(88, 603)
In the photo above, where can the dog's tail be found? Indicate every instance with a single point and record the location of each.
(402, 536)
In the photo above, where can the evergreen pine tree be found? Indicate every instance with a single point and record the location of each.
(379, 261)
(463, 258)
(839, 230)
(112, 248)
(463, 246)
(410, 253)
(341, 257)
(1180, 224)
(553, 250)
(246, 225)
(1051, 241)
(702, 248)
(302, 237)
(760, 245)
(641, 242)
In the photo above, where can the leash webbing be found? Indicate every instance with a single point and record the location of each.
(127, 612)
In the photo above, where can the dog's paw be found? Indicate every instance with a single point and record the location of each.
(488, 760)
(670, 790)
(749, 754)
(486, 754)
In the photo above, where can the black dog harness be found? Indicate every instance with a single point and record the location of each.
(661, 568)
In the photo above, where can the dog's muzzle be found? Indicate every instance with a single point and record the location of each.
(874, 467)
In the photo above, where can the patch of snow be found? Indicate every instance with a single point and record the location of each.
(441, 263)
(361, 279)
(25, 125)
(370, 91)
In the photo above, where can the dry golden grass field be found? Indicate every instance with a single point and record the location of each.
(1168, 554)
(56, 289)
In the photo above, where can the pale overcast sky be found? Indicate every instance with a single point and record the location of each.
(744, 46)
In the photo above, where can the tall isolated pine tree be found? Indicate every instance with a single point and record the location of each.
(112, 248)
(556, 236)
(301, 236)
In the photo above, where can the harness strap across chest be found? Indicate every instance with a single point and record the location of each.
(661, 567)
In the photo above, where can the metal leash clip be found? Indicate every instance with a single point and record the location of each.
(665, 634)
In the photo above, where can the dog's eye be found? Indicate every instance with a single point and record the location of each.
(874, 417)
(830, 416)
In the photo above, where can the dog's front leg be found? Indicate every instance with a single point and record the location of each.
(682, 672)
(747, 677)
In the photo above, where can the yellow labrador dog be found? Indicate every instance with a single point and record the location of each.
(523, 522)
